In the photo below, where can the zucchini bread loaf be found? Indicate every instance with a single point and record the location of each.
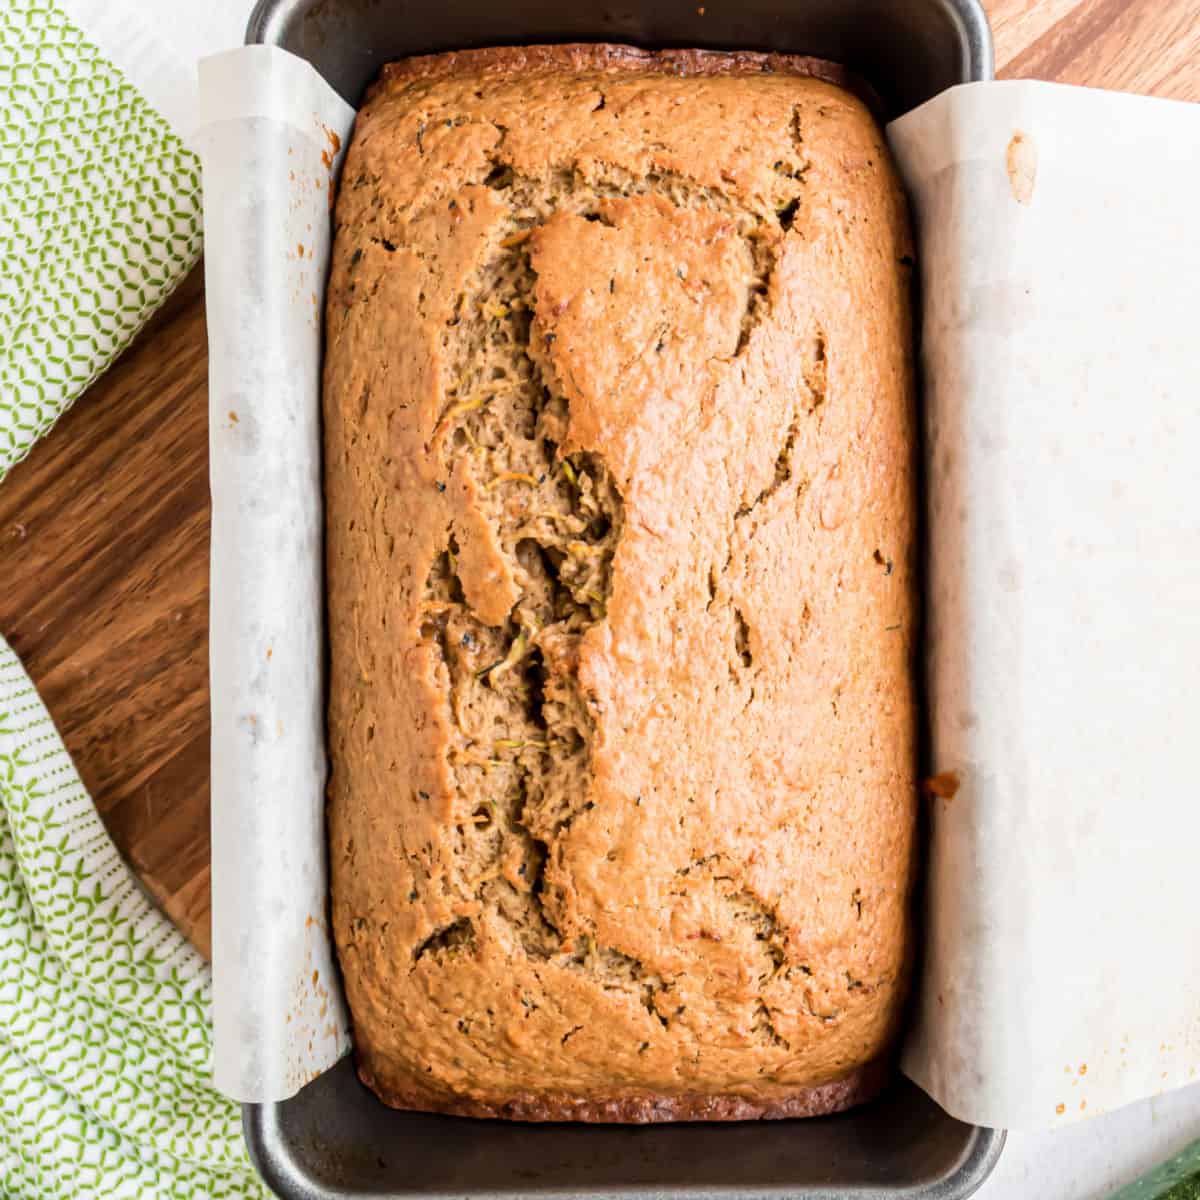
(618, 420)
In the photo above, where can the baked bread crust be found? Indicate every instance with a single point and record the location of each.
(629, 1108)
(605, 57)
(618, 404)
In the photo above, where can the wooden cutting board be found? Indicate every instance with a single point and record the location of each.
(104, 529)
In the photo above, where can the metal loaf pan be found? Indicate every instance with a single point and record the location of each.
(335, 1139)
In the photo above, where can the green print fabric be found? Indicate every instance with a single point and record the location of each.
(105, 1042)
(99, 217)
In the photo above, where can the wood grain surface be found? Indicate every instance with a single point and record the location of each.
(104, 529)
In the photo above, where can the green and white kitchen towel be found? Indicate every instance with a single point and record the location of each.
(105, 1042)
(99, 195)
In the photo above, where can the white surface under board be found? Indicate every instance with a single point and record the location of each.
(1091, 1159)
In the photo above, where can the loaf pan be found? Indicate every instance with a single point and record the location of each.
(335, 1139)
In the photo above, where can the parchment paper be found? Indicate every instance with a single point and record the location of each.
(1061, 273)
(270, 145)
(1060, 263)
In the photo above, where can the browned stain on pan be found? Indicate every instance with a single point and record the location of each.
(1021, 163)
(944, 785)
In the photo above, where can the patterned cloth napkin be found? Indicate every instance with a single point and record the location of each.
(99, 217)
(105, 1042)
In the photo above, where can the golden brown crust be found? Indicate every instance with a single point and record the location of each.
(581, 56)
(821, 1100)
(618, 419)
